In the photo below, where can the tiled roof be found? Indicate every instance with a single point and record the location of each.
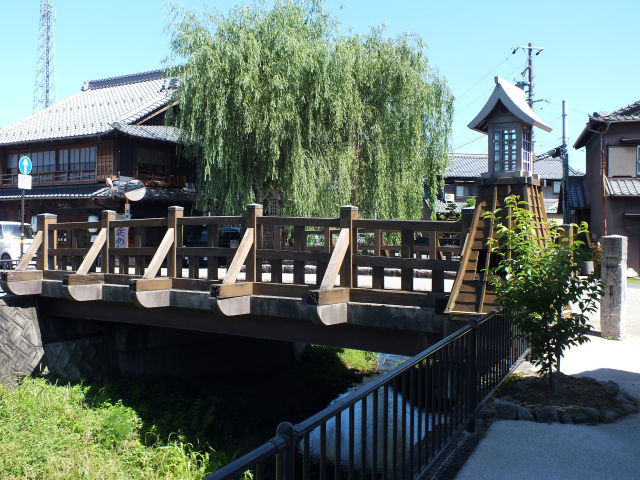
(622, 187)
(153, 132)
(575, 194)
(58, 191)
(186, 194)
(630, 112)
(473, 165)
(551, 168)
(94, 109)
(466, 165)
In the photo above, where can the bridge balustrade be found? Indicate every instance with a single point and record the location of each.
(321, 261)
(369, 250)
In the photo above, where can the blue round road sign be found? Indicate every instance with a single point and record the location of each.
(24, 164)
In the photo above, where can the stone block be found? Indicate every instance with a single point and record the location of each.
(614, 276)
(546, 414)
(505, 410)
(524, 413)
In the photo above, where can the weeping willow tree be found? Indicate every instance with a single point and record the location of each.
(274, 99)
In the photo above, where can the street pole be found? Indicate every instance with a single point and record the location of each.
(22, 226)
(565, 167)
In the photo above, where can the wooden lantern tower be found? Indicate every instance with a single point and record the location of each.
(507, 120)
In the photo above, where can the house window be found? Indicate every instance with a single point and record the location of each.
(638, 161)
(556, 187)
(526, 149)
(55, 165)
(504, 149)
(77, 163)
(623, 161)
(152, 165)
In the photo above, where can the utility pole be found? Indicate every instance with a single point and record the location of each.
(565, 167)
(528, 70)
(45, 84)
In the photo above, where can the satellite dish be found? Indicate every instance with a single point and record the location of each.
(134, 190)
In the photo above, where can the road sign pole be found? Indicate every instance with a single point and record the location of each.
(22, 226)
(25, 166)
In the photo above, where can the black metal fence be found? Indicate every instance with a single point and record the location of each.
(397, 425)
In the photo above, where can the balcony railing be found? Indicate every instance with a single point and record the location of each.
(51, 177)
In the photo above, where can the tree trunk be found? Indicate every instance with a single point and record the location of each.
(556, 377)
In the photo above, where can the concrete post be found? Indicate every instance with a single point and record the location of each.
(614, 277)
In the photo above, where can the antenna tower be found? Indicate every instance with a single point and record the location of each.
(45, 85)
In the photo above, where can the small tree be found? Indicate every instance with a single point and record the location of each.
(537, 278)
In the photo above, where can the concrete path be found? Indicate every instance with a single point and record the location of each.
(526, 450)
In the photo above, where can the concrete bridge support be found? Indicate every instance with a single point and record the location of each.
(32, 341)
(21, 349)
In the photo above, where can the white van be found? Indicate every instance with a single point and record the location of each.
(10, 243)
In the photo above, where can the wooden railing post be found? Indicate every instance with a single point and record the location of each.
(348, 214)
(213, 233)
(106, 260)
(300, 244)
(377, 273)
(253, 212)
(172, 222)
(407, 252)
(48, 240)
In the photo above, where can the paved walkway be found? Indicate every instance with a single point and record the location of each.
(526, 450)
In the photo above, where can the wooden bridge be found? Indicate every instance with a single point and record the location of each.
(350, 280)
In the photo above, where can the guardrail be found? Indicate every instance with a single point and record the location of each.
(397, 425)
(317, 251)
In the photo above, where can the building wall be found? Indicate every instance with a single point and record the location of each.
(617, 223)
(593, 184)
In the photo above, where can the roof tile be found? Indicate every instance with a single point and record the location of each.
(94, 109)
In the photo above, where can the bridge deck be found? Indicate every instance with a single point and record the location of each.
(323, 272)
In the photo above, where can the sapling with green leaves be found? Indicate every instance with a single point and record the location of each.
(537, 278)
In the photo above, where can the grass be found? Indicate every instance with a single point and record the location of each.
(149, 428)
(359, 360)
(633, 280)
(49, 431)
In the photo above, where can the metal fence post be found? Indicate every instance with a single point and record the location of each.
(287, 471)
(473, 372)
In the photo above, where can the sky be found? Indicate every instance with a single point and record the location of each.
(590, 56)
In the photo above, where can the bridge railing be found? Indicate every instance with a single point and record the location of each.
(321, 253)
(397, 425)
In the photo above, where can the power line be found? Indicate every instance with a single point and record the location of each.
(490, 72)
(484, 93)
(471, 141)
